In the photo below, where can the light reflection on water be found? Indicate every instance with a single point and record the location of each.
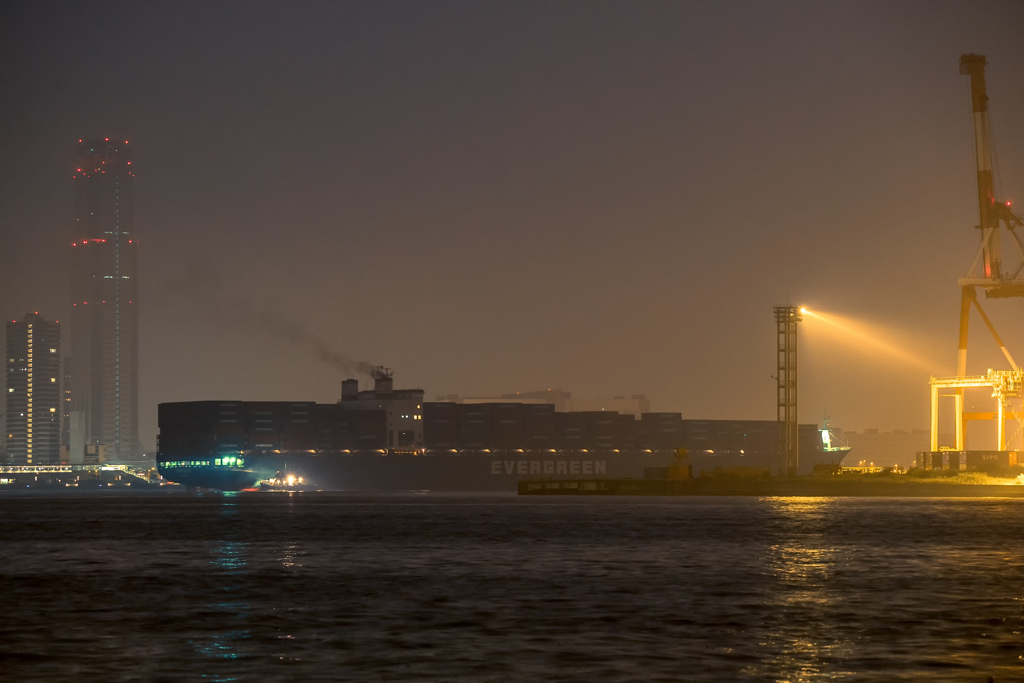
(802, 638)
(229, 565)
(292, 549)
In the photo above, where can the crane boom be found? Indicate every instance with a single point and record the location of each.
(974, 66)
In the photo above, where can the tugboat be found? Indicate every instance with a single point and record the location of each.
(286, 481)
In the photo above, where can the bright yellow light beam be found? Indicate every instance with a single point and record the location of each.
(862, 337)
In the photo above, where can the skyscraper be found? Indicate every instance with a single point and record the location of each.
(104, 294)
(32, 435)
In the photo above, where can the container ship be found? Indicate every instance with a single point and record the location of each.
(388, 439)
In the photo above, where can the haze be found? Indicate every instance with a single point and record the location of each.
(608, 198)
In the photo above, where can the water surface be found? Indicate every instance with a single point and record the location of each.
(329, 586)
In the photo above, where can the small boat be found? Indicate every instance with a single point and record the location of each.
(283, 481)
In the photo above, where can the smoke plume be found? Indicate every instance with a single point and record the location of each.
(279, 327)
(201, 289)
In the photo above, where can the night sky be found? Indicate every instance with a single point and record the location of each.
(606, 198)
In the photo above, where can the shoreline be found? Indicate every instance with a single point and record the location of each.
(766, 488)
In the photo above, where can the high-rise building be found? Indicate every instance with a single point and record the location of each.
(104, 294)
(33, 392)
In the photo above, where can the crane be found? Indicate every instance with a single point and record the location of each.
(994, 278)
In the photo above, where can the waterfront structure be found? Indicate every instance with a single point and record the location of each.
(564, 402)
(556, 397)
(634, 404)
(104, 292)
(33, 392)
(872, 447)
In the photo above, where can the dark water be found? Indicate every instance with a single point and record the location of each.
(311, 587)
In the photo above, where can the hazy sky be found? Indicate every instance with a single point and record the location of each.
(491, 197)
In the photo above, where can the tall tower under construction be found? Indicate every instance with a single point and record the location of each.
(104, 293)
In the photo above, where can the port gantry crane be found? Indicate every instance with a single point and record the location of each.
(994, 278)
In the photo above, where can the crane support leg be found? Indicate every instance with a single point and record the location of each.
(1001, 425)
(967, 295)
(935, 419)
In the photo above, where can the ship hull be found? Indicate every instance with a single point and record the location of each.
(212, 478)
(451, 472)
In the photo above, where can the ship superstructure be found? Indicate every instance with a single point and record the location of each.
(833, 444)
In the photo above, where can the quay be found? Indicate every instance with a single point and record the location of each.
(766, 487)
(19, 477)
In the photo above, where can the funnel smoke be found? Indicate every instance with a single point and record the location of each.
(202, 290)
(277, 326)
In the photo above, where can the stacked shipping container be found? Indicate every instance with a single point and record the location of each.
(319, 428)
